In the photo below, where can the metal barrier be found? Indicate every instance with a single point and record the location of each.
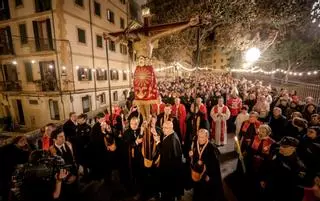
(303, 89)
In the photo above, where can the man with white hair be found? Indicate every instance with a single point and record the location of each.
(170, 164)
(205, 169)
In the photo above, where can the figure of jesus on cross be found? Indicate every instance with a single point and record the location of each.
(144, 40)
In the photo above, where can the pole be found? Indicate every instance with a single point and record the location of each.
(93, 64)
(109, 78)
(198, 51)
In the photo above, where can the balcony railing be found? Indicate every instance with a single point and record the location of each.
(5, 49)
(47, 85)
(11, 85)
(32, 45)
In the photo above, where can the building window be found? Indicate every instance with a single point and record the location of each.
(81, 35)
(97, 9)
(123, 1)
(115, 96)
(23, 33)
(123, 49)
(99, 41)
(121, 23)
(6, 46)
(114, 74)
(110, 16)
(84, 74)
(125, 94)
(18, 3)
(101, 74)
(28, 69)
(42, 5)
(112, 46)
(54, 110)
(221, 60)
(86, 104)
(33, 102)
(79, 2)
(102, 98)
(43, 35)
(124, 75)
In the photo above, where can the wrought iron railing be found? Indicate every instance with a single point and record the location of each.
(11, 85)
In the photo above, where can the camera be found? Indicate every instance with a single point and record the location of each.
(39, 171)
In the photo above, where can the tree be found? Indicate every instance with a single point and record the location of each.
(233, 24)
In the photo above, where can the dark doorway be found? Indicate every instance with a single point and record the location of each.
(20, 113)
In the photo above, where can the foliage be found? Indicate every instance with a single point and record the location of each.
(235, 25)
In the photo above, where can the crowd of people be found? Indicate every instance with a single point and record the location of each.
(177, 147)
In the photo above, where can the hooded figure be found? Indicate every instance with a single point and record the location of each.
(309, 150)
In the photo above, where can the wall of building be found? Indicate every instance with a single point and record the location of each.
(68, 55)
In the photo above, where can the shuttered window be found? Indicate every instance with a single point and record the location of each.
(81, 35)
(28, 69)
(23, 33)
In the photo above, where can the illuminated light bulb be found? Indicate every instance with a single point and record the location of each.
(50, 66)
(33, 61)
(315, 72)
(85, 69)
(252, 54)
(309, 73)
(300, 74)
(290, 73)
(294, 74)
(77, 67)
(63, 68)
(102, 70)
(14, 62)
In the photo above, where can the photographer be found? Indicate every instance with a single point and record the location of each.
(10, 156)
(63, 148)
(38, 180)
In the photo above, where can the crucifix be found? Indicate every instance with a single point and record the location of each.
(144, 39)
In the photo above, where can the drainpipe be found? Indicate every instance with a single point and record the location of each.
(58, 64)
(129, 57)
(109, 78)
(93, 64)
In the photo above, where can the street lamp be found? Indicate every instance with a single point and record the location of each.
(252, 55)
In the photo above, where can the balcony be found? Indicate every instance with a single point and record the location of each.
(5, 49)
(34, 45)
(47, 85)
(11, 85)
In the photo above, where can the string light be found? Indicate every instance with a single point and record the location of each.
(275, 71)
(14, 62)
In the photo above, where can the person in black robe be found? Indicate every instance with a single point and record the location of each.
(205, 162)
(167, 116)
(70, 128)
(133, 159)
(287, 174)
(100, 168)
(170, 164)
(82, 144)
(309, 151)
